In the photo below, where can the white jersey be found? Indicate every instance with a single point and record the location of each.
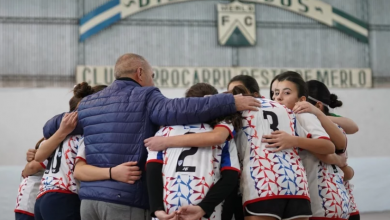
(28, 192)
(329, 198)
(352, 205)
(190, 172)
(266, 174)
(58, 175)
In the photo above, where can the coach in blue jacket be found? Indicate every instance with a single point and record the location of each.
(116, 121)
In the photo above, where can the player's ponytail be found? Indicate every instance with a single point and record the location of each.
(39, 143)
(82, 90)
(318, 92)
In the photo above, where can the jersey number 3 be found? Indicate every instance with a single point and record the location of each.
(275, 122)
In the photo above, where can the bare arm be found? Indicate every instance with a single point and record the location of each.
(348, 172)
(127, 172)
(281, 140)
(338, 160)
(206, 139)
(349, 126)
(85, 172)
(32, 168)
(47, 147)
(335, 134)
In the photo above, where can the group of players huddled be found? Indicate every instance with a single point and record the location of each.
(287, 160)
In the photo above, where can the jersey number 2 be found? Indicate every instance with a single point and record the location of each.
(180, 162)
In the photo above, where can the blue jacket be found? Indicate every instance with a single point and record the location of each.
(116, 121)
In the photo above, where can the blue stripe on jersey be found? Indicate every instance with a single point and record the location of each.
(295, 127)
(160, 156)
(234, 133)
(225, 156)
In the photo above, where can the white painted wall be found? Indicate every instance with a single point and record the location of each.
(24, 111)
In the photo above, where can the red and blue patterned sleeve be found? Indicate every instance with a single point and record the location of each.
(229, 127)
(229, 157)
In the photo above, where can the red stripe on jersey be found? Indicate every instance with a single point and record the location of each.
(224, 126)
(323, 137)
(354, 213)
(24, 212)
(80, 158)
(231, 168)
(55, 190)
(155, 161)
(325, 218)
(43, 165)
(276, 197)
(308, 135)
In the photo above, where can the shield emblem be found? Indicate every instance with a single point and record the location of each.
(180, 162)
(236, 24)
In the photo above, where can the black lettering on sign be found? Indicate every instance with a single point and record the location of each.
(206, 76)
(286, 3)
(343, 78)
(216, 77)
(305, 7)
(85, 71)
(175, 78)
(196, 77)
(108, 76)
(164, 77)
(248, 21)
(323, 77)
(334, 77)
(94, 76)
(156, 76)
(143, 3)
(362, 78)
(225, 19)
(351, 79)
(264, 74)
(184, 75)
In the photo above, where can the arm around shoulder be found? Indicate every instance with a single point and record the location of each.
(164, 111)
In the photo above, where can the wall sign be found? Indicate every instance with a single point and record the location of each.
(115, 10)
(184, 77)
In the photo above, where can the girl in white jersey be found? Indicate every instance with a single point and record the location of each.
(29, 188)
(331, 200)
(266, 192)
(347, 124)
(195, 180)
(320, 100)
(57, 198)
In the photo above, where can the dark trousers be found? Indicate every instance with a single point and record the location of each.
(57, 206)
(21, 216)
(233, 206)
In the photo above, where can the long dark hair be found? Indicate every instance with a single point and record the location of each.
(39, 143)
(319, 91)
(203, 89)
(82, 90)
(295, 78)
(249, 82)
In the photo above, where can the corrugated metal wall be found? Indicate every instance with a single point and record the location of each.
(40, 39)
